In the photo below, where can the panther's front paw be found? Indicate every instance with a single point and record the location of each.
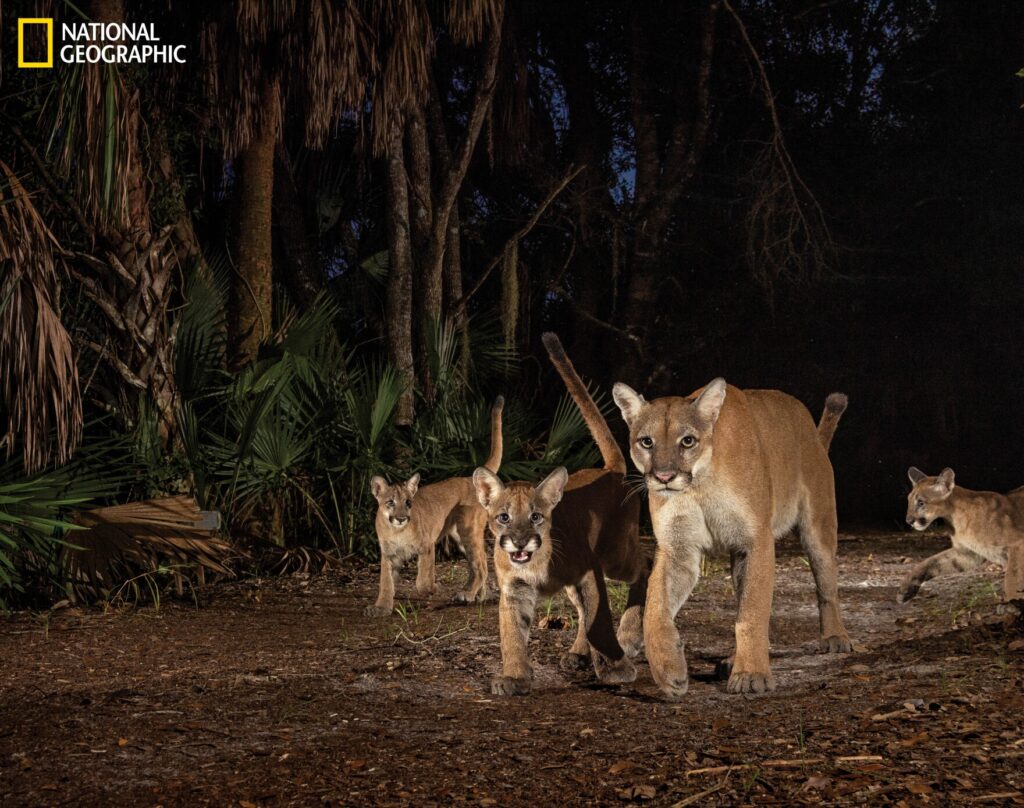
(462, 598)
(750, 682)
(672, 677)
(836, 644)
(909, 589)
(377, 610)
(508, 686)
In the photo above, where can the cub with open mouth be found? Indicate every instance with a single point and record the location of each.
(540, 547)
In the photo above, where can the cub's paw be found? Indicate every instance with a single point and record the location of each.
(908, 590)
(377, 611)
(836, 644)
(631, 631)
(507, 686)
(615, 673)
(572, 661)
(426, 591)
(463, 598)
(750, 682)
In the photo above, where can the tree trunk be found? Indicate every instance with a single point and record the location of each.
(399, 297)
(252, 283)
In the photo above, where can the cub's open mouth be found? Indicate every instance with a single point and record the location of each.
(520, 556)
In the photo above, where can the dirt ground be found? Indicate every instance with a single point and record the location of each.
(280, 692)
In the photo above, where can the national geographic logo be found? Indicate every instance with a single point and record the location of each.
(92, 43)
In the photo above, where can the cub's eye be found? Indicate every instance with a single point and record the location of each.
(688, 441)
(503, 519)
(408, 503)
(536, 518)
(646, 442)
(391, 503)
(920, 503)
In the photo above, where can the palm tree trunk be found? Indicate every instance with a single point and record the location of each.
(399, 297)
(252, 283)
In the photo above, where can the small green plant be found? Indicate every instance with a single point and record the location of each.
(618, 596)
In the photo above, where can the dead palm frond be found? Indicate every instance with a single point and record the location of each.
(118, 543)
(39, 390)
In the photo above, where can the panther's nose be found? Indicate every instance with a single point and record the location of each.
(400, 520)
(665, 476)
(524, 540)
(911, 520)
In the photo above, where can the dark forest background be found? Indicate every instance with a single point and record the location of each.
(318, 249)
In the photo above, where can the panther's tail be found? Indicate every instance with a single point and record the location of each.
(835, 406)
(494, 461)
(610, 452)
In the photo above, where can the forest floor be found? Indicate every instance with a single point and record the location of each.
(280, 692)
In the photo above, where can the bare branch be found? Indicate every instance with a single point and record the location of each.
(460, 304)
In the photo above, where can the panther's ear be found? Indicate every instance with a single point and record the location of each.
(378, 485)
(915, 474)
(945, 482)
(628, 400)
(551, 488)
(412, 485)
(488, 486)
(709, 402)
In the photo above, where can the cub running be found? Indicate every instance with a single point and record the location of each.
(595, 532)
(737, 469)
(986, 527)
(447, 508)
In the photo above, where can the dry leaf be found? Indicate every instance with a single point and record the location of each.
(621, 766)
(817, 782)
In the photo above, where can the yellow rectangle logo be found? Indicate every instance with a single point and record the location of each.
(22, 22)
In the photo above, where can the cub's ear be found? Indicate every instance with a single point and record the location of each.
(915, 474)
(945, 481)
(709, 402)
(377, 486)
(488, 486)
(412, 485)
(628, 400)
(551, 488)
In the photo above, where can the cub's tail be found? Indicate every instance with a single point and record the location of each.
(610, 452)
(494, 461)
(835, 406)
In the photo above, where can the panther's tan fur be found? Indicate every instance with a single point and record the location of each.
(594, 533)
(734, 469)
(412, 520)
(986, 526)
(538, 550)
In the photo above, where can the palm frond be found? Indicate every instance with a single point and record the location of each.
(117, 543)
(40, 398)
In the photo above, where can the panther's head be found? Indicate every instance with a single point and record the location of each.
(670, 439)
(394, 501)
(927, 500)
(519, 514)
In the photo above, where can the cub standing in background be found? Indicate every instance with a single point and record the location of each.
(986, 527)
(593, 533)
(735, 469)
(412, 520)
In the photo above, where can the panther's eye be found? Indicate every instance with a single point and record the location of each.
(391, 503)
(408, 503)
(646, 442)
(920, 503)
(688, 441)
(503, 518)
(536, 518)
